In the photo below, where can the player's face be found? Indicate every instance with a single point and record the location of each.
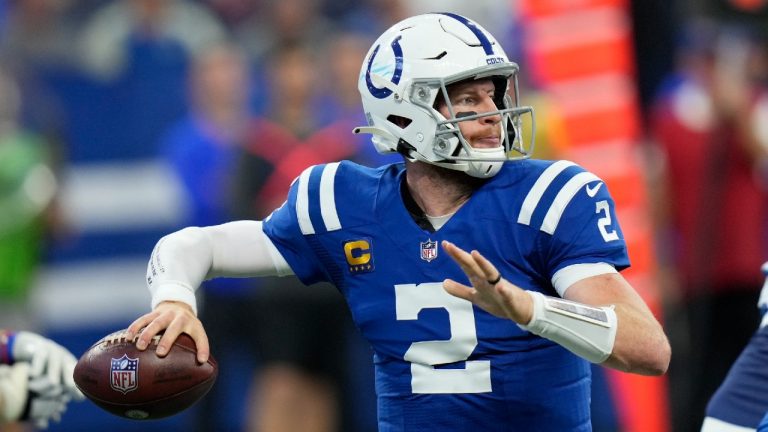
(475, 97)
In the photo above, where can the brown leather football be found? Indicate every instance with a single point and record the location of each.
(139, 385)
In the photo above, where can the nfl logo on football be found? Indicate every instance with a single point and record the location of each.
(123, 377)
(428, 250)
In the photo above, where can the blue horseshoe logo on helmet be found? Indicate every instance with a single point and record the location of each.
(381, 93)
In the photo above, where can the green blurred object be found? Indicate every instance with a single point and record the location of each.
(27, 186)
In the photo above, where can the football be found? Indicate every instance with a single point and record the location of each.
(139, 385)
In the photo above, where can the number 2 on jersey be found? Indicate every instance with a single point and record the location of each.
(476, 375)
(605, 221)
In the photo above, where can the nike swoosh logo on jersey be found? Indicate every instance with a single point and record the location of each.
(592, 191)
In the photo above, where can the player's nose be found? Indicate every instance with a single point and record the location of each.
(489, 106)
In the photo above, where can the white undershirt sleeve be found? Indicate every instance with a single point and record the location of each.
(567, 276)
(181, 261)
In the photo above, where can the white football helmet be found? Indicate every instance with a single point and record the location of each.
(410, 65)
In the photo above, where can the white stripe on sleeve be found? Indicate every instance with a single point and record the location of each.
(562, 199)
(328, 198)
(538, 189)
(302, 203)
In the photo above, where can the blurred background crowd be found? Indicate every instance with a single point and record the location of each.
(123, 120)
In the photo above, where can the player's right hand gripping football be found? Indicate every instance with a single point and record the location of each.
(170, 319)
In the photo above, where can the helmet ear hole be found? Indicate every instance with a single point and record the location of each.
(439, 101)
(500, 85)
(399, 121)
(511, 131)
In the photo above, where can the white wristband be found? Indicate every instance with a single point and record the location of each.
(586, 331)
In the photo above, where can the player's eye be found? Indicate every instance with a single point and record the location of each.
(465, 100)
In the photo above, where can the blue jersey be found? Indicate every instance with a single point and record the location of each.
(441, 363)
(763, 426)
(742, 398)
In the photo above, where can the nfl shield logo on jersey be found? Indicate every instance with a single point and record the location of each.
(428, 250)
(123, 374)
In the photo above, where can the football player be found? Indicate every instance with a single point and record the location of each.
(484, 280)
(36, 382)
(741, 401)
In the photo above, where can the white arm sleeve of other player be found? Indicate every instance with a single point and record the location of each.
(586, 331)
(181, 261)
(762, 302)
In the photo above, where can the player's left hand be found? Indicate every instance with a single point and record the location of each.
(51, 365)
(489, 290)
(27, 399)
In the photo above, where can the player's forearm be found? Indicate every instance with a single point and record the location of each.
(181, 261)
(616, 336)
(641, 346)
(178, 265)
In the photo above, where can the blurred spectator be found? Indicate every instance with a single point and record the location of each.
(140, 51)
(282, 21)
(233, 12)
(708, 123)
(3, 13)
(121, 26)
(340, 99)
(36, 46)
(27, 191)
(203, 150)
(370, 17)
(204, 146)
(38, 34)
(274, 23)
